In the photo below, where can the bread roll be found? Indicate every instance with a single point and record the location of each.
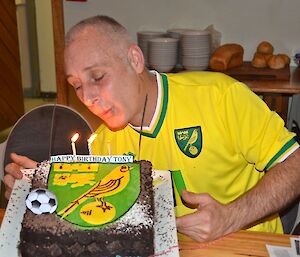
(286, 58)
(276, 62)
(268, 56)
(227, 56)
(259, 60)
(265, 47)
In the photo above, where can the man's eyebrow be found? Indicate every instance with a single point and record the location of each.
(87, 68)
(91, 67)
(98, 64)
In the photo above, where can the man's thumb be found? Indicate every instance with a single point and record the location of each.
(189, 199)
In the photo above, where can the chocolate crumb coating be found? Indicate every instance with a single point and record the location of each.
(131, 235)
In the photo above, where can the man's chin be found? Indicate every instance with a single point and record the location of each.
(112, 122)
(115, 126)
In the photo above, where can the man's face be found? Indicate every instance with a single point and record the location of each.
(107, 85)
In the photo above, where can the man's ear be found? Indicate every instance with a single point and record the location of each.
(136, 58)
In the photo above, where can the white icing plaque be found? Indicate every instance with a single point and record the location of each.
(92, 158)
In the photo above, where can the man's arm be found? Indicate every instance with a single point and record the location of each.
(276, 190)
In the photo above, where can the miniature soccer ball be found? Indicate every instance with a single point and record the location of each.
(41, 200)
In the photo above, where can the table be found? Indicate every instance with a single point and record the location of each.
(2, 211)
(243, 243)
(276, 93)
(238, 244)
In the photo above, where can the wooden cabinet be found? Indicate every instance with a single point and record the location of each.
(276, 93)
(11, 92)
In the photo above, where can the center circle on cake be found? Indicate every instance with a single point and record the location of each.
(97, 213)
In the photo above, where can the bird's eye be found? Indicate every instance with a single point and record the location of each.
(124, 168)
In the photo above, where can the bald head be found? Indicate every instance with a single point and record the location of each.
(112, 32)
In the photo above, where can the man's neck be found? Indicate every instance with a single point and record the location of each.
(149, 101)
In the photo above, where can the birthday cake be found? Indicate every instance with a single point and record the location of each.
(104, 208)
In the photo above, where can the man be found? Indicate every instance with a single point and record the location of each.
(233, 163)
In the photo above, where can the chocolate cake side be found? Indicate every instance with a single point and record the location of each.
(131, 235)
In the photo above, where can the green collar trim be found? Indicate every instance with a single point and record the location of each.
(165, 93)
(281, 151)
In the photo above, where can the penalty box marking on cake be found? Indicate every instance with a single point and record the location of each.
(92, 158)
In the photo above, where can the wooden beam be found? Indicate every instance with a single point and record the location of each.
(65, 94)
(59, 34)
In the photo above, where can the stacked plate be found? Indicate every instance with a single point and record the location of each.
(176, 33)
(143, 37)
(162, 53)
(195, 49)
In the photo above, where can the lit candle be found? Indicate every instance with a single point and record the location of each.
(90, 141)
(73, 139)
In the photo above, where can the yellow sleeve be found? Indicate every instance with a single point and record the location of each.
(256, 133)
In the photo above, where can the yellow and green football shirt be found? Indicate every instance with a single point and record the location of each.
(212, 132)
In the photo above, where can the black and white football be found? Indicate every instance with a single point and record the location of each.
(41, 200)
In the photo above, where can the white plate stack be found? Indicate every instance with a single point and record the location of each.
(195, 49)
(176, 33)
(143, 37)
(162, 53)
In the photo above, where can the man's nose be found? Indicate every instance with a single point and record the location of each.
(90, 95)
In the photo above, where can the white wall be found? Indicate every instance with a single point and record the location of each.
(45, 45)
(23, 44)
(240, 21)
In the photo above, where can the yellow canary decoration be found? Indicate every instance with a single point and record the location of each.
(99, 211)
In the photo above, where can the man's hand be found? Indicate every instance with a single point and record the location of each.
(208, 222)
(278, 188)
(13, 171)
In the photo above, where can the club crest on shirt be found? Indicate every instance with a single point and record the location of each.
(189, 140)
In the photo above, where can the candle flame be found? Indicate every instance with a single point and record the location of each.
(92, 138)
(75, 137)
